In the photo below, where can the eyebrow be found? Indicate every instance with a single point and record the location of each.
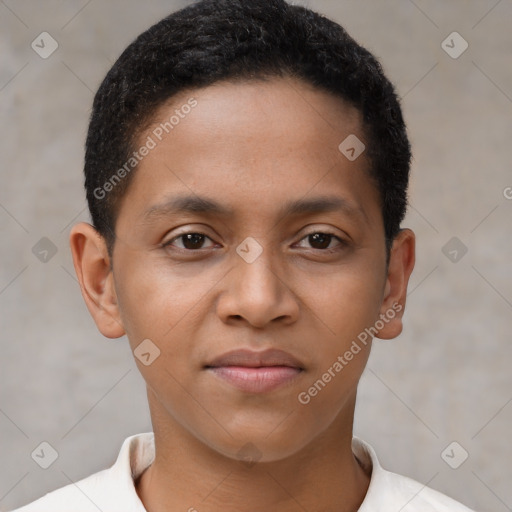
(198, 204)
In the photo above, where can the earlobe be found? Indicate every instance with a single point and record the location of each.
(401, 265)
(93, 269)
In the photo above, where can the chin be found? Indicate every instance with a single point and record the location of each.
(264, 445)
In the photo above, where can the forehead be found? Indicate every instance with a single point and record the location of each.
(252, 145)
(289, 108)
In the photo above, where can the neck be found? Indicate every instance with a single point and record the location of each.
(190, 476)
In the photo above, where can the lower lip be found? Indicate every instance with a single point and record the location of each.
(256, 380)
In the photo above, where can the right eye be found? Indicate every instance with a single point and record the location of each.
(191, 241)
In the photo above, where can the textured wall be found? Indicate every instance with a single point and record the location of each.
(446, 378)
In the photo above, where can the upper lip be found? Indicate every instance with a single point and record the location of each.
(252, 359)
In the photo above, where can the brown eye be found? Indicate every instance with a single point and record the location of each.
(190, 241)
(193, 240)
(322, 241)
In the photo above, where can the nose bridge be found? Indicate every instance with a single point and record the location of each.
(255, 269)
(256, 291)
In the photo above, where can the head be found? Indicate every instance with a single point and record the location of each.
(255, 112)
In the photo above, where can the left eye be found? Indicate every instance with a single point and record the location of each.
(322, 239)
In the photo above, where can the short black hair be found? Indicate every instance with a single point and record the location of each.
(214, 40)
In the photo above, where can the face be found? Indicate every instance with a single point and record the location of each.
(245, 228)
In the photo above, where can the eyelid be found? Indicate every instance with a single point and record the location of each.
(324, 231)
(327, 230)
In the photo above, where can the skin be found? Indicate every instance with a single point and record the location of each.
(251, 146)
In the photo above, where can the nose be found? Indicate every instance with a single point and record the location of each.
(257, 293)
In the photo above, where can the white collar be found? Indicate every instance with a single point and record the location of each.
(113, 489)
(387, 490)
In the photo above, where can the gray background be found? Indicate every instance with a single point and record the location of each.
(446, 378)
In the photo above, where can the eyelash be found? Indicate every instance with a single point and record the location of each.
(342, 243)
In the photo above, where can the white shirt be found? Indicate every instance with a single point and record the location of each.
(113, 489)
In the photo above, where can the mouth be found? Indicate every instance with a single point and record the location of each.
(256, 372)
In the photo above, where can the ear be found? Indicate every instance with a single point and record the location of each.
(94, 272)
(401, 264)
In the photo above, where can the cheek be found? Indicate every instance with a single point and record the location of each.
(345, 302)
(159, 304)
(155, 301)
(347, 306)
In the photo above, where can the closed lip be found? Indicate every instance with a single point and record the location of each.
(254, 359)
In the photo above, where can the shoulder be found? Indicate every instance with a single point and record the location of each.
(81, 494)
(111, 489)
(389, 492)
(413, 496)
